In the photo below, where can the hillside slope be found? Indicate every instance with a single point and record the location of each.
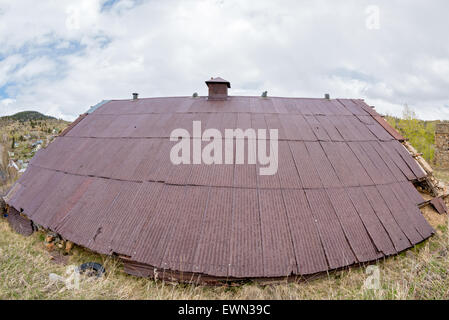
(27, 116)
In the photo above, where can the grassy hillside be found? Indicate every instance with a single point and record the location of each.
(27, 116)
(20, 137)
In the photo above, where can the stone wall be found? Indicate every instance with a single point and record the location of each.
(442, 145)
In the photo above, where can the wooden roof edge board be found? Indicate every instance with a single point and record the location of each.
(98, 105)
(73, 124)
(392, 131)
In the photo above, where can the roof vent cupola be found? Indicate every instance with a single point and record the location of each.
(218, 88)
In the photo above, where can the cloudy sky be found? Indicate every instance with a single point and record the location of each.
(61, 57)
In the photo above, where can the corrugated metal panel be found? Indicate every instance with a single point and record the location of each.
(304, 164)
(335, 107)
(390, 150)
(303, 129)
(317, 128)
(317, 108)
(331, 130)
(412, 193)
(397, 173)
(273, 122)
(151, 246)
(307, 243)
(405, 155)
(357, 170)
(49, 213)
(324, 168)
(136, 217)
(300, 106)
(180, 248)
(379, 131)
(287, 171)
(38, 192)
(346, 130)
(389, 128)
(372, 224)
(276, 235)
(382, 168)
(387, 218)
(73, 124)
(336, 246)
(352, 226)
(115, 217)
(19, 223)
(290, 128)
(375, 174)
(415, 216)
(362, 131)
(88, 212)
(365, 107)
(143, 169)
(400, 213)
(352, 107)
(213, 253)
(341, 167)
(246, 239)
(245, 175)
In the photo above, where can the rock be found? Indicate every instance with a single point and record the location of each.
(68, 246)
(50, 246)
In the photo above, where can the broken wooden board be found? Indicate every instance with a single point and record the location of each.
(439, 205)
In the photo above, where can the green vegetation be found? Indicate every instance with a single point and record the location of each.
(20, 136)
(27, 116)
(420, 134)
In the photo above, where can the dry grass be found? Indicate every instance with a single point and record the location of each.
(442, 175)
(420, 273)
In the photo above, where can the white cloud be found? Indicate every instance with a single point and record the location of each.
(62, 57)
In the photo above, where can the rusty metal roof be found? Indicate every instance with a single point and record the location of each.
(343, 192)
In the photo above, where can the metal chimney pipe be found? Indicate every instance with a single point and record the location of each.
(135, 96)
(327, 96)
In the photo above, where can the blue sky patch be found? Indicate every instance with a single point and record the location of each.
(3, 93)
(108, 4)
